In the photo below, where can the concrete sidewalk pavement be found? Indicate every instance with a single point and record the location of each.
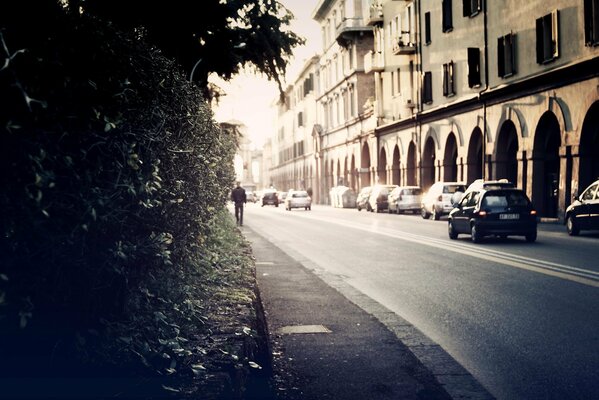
(330, 341)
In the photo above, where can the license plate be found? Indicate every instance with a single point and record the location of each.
(509, 216)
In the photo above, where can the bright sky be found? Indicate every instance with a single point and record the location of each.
(250, 97)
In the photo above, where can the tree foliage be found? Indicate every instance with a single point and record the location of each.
(210, 35)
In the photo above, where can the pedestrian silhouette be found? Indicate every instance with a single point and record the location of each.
(239, 198)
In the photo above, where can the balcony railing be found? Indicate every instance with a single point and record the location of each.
(374, 62)
(402, 46)
(348, 28)
(375, 15)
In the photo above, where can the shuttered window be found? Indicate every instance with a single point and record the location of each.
(447, 22)
(506, 64)
(471, 7)
(427, 88)
(473, 67)
(591, 22)
(448, 79)
(548, 37)
(427, 28)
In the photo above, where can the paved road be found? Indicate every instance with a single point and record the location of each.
(522, 318)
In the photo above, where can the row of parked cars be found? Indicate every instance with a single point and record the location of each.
(482, 209)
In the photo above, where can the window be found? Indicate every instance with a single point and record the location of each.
(397, 81)
(448, 79)
(447, 23)
(427, 88)
(300, 119)
(506, 65)
(471, 7)
(547, 37)
(427, 28)
(473, 67)
(591, 22)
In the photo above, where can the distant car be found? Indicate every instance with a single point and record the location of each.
(250, 196)
(437, 201)
(362, 199)
(298, 199)
(405, 198)
(270, 198)
(378, 199)
(483, 184)
(282, 196)
(500, 212)
(583, 213)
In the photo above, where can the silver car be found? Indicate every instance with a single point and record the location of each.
(298, 199)
(437, 201)
(405, 198)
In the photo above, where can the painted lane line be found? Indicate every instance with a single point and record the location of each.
(578, 275)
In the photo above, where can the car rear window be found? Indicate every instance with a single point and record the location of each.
(411, 192)
(454, 188)
(504, 199)
(300, 194)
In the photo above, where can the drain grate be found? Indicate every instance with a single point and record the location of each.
(295, 329)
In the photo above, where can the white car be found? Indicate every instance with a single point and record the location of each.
(437, 201)
(405, 198)
(298, 199)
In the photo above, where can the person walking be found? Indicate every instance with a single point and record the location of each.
(239, 198)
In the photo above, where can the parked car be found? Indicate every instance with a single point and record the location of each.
(583, 213)
(298, 199)
(270, 198)
(362, 200)
(250, 196)
(437, 201)
(378, 199)
(282, 196)
(500, 212)
(405, 198)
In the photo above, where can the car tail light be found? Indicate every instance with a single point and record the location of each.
(533, 212)
(482, 213)
(440, 198)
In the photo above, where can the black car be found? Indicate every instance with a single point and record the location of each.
(583, 214)
(500, 212)
(270, 198)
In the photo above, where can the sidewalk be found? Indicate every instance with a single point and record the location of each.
(329, 341)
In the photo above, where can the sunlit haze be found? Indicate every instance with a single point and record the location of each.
(249, 97)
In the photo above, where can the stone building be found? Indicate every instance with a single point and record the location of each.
(464, 89)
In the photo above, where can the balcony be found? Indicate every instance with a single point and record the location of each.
(374, 62)
(403, 47)
(375, 15)
(348, 29)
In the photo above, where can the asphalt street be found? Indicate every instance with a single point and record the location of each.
(520, 317)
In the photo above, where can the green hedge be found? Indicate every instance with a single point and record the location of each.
(112, 169)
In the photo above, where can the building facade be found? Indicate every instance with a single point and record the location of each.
(468, 89)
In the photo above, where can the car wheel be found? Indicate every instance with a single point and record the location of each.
(376, 209)
(453, 235)
(359, 209)
(389, 211)
(531, 237)
(476, 236)
(310, 208)
(571, 227)
(436, 214)
(424, 213)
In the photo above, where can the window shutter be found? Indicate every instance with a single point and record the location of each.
(447, 22)
(510, 52)
(540, 44)
(427, 27)
(594, 13)
(500, 57)
(467, 10)
(445, 79)
(588, 22)
(555, 33)
(427, 88)
(473, 67)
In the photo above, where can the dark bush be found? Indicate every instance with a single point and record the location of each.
(112, 170)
